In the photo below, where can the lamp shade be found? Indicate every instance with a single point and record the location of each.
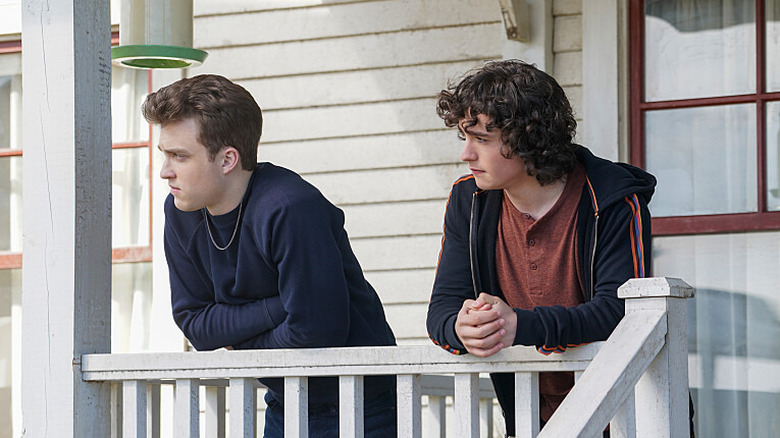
(156, 34)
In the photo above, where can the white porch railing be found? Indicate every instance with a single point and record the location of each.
(636, 380)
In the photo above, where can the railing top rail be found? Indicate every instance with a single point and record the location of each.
(406, 359)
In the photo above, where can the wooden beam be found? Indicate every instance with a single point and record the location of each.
(66, 76)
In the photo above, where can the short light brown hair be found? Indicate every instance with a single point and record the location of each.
(226, 113)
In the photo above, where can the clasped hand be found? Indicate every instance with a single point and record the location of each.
(486, 325)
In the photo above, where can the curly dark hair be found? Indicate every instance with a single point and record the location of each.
(226, 113)
(528, 106)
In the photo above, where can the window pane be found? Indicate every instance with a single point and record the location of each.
(131, 307)
(773, 45)
(128, 90)
(10, 340)
(697, 48)
(773, 155)
(704, 159)
(733, 328)
(11, 204)
(130, 197)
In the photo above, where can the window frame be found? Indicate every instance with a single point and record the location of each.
(714, 223)
(124, 254)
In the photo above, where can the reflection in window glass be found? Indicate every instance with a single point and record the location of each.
(131, 305)
(11, 204)
(704, 159)
(130, 197)
(10, 340)
(733, 328)
(773, 45)
(697, 48)
(773, 155)
(128, 90)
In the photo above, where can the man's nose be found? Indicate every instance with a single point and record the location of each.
(165, 171)
(468, 154)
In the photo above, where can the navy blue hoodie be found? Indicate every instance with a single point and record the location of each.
(613, 244)
(289, 280)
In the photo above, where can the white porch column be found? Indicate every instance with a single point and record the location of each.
(66, 77)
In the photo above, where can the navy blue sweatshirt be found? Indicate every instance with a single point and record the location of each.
(289, 280)
(613, 244)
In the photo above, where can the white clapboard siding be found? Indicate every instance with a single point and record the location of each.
(402, 286)
(387, 185)
(348, 90)
(413, 252)
(333, 21)
(355, 86)
(359, 52)
(394, 219)
(379, 151)
(350, 120)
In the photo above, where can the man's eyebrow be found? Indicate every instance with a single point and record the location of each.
(173, 150)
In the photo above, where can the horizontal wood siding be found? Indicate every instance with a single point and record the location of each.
(348, 91)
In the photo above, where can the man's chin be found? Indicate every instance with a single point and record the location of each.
(184, 206)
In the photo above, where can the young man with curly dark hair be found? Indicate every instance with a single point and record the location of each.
(258, 258)
(539, 236)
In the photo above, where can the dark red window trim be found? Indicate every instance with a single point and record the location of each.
(702, 224)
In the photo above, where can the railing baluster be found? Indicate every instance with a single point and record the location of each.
(187, 408)
(296, 407)
(409, 406)
(215, 411)
(623, 424)
(153, 410)
(527, 404)
(351, 406)
(134, 401)
(486, 417)
(467, 404)
(116, 410)
(243, 407)
(437, 408)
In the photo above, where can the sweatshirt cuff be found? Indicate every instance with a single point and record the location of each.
(530, 330)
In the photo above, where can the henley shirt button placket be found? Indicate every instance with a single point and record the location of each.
(533, 266)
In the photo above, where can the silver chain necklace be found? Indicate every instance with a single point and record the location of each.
(235, 229)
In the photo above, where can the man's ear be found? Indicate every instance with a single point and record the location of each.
(230, 159)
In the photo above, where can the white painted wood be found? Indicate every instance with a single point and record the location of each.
(539, 49)
(154, 406)
(467, 405)
(437, 415)
(606, 383)
(402, 286)
(351, 120)
(475, 42)
(410, 359)
(395, 219)
(432, 182)
(187, 410)
(67, 183)
(296, 407)
(356, 86)
(117, 420)
(653, 287)
(215, 412)
(338, 21)
(134, 407)
(602, 77)
(243, 407)
(526, 404)
(485, 417)
(351, 406)
(568, 33)
(380, 151)
(409, 406)
(623, 424)
(210, 7)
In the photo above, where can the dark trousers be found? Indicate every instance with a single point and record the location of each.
(379, 418)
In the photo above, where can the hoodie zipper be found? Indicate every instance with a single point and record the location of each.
(472, 243)
(593, 258)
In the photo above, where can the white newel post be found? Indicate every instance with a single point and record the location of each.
(66, 297)
(661, 395)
